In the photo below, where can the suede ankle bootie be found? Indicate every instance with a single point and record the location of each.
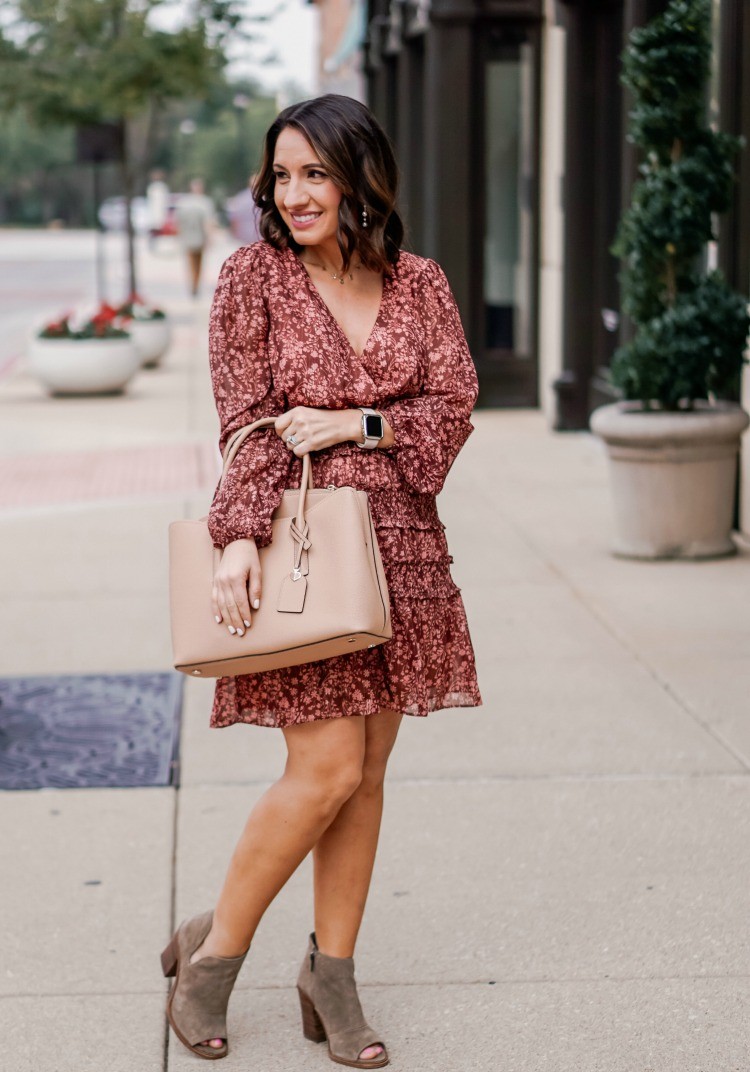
(331, 1009)
(197, 1004)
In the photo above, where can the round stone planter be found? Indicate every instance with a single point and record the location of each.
(83, 366)
(673, 477)
(151, 338)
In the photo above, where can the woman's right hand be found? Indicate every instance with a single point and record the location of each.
(237, 584)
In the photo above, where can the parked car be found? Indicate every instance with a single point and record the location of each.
(112, 214)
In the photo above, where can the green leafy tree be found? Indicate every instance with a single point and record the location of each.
(691, 328)
(225, 146)
(81, 62)
(29, 158)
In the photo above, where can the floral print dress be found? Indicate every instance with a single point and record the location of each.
(274, 344)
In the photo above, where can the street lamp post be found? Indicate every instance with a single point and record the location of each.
(241, 103)
(187, 128)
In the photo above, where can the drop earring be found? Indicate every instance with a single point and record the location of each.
(365, 218)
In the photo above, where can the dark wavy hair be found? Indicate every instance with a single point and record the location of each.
(354, 150)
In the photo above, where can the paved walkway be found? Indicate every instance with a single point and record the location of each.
(562, 883)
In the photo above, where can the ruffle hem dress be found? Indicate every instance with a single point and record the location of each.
(274, 344)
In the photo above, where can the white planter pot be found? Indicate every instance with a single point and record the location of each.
(673, 478)
(83, 366)
(151, 338)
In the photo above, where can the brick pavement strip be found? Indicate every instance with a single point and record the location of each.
(54, 478)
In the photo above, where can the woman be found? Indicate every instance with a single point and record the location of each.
(324, 318)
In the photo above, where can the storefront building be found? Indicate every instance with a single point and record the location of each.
(509, 122)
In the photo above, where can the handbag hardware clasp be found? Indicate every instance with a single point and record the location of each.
(301, 544)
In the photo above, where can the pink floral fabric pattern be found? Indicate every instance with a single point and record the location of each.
(274, 344)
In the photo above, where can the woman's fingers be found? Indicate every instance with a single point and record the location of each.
(241, 604)
(317, 429)
(215, 605)
(253, 581)
(225, 604)
(237, 587)
(234, 606)
(255, 585)
(295, 429)
(290, 436)
(282, 423)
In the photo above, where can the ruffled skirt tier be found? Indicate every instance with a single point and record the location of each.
(426, 666)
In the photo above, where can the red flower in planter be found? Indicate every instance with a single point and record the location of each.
(106, 313)
(57, 329)
(137, 308)
(106, 323)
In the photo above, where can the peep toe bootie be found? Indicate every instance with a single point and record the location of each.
(197, 1003)
(331, 1009)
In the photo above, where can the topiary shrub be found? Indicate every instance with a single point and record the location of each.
(691, 327)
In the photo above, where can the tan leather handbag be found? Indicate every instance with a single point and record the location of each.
(324, 589)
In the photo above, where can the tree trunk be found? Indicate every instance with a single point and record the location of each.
(152, 127)
(128, 185)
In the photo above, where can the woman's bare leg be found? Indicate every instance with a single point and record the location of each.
(330, 763)
(344, 854)
(323, 768)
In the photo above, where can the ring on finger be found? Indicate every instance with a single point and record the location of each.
(292, 441)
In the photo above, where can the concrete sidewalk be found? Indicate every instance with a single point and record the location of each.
(563, 874)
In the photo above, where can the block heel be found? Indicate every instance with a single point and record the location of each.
(169, 959)
(312, 1026)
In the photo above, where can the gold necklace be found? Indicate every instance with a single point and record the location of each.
(334, 275)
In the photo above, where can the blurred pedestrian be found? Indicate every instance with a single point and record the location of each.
(195, 218)
(347, 340)
(244, 215)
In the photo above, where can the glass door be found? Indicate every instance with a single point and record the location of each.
(506, 325)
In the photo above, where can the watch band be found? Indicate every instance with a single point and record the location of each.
(371, 439)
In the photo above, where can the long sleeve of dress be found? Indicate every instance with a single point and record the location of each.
(244, 391)
(431, 428)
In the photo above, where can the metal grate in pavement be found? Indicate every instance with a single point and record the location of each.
(86, 731)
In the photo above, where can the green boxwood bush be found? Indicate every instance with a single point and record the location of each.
(691, 327)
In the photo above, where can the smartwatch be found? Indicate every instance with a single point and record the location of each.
(373, 428)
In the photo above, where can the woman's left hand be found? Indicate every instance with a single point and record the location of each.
(316, 429)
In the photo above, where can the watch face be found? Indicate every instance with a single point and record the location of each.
(374, 426)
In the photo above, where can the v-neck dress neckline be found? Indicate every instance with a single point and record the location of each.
(321, 301)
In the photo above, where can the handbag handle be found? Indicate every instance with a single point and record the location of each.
(236, 440)
(298, 527)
